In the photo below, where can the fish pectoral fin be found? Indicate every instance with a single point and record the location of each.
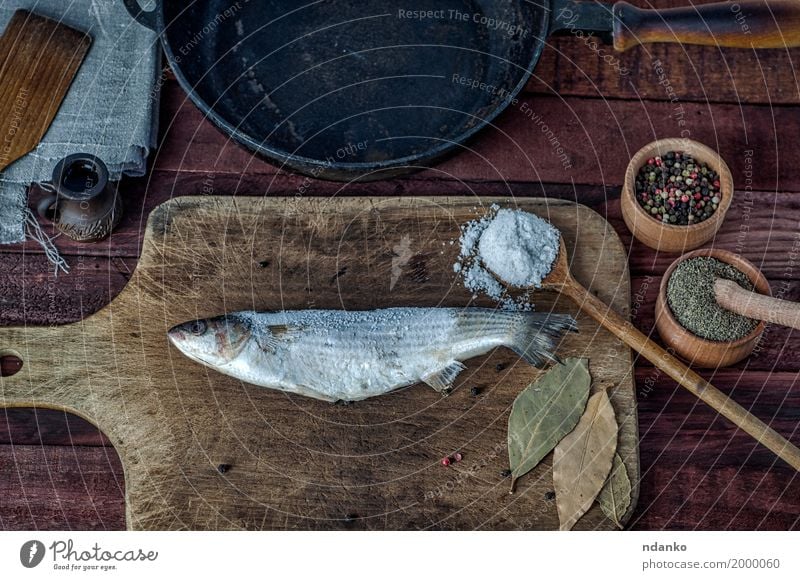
(442, 379)
(269, 338)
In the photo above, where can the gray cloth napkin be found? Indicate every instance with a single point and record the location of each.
(111, 109)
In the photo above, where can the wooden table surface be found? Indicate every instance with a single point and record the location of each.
(698, 471)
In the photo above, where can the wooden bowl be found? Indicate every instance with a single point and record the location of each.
(667, 237)
(698, 351)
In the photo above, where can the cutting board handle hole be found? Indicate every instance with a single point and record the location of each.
(10, 363)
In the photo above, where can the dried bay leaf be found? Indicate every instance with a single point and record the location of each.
(544, 413)
(583, 459)
(615, 497)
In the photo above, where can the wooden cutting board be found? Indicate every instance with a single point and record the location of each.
(39, 57)
(204, 451)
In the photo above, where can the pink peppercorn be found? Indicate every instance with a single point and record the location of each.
(446, 461)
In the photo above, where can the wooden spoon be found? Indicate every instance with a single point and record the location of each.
(560, 279)
(753, 305)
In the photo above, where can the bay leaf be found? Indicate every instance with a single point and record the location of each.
(615, 497)
(544, 412)
(583, 459)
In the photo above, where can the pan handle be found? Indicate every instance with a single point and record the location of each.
(743, 24)
(146, 19)
(582, 17)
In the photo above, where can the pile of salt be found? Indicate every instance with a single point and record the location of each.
(518, 247)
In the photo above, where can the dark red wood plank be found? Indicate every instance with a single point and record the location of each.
(682, 496)
(572, 66)
(701, 472)
(61, 488)
(30, 293)
(599, 136)
(667, 410)
(763, 227)
(48, 427)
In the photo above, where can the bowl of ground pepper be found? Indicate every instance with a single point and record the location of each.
(690, 321)
(676, 194)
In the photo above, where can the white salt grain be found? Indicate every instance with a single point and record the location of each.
(516, 246)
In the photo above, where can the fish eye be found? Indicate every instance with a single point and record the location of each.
(198, 327)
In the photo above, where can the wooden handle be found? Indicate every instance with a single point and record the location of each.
(757, 306)
(745, 24)
(682, 374)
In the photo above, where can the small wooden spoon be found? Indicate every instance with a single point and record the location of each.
(753, 305)
(560, 279)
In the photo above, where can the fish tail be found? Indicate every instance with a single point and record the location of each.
(535, 336)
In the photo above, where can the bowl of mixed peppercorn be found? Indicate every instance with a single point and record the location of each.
(676, 194)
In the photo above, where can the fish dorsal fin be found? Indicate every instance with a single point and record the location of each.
(270, 337)
(442, 379)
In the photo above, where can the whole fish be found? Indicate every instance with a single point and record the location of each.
(349, 356)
